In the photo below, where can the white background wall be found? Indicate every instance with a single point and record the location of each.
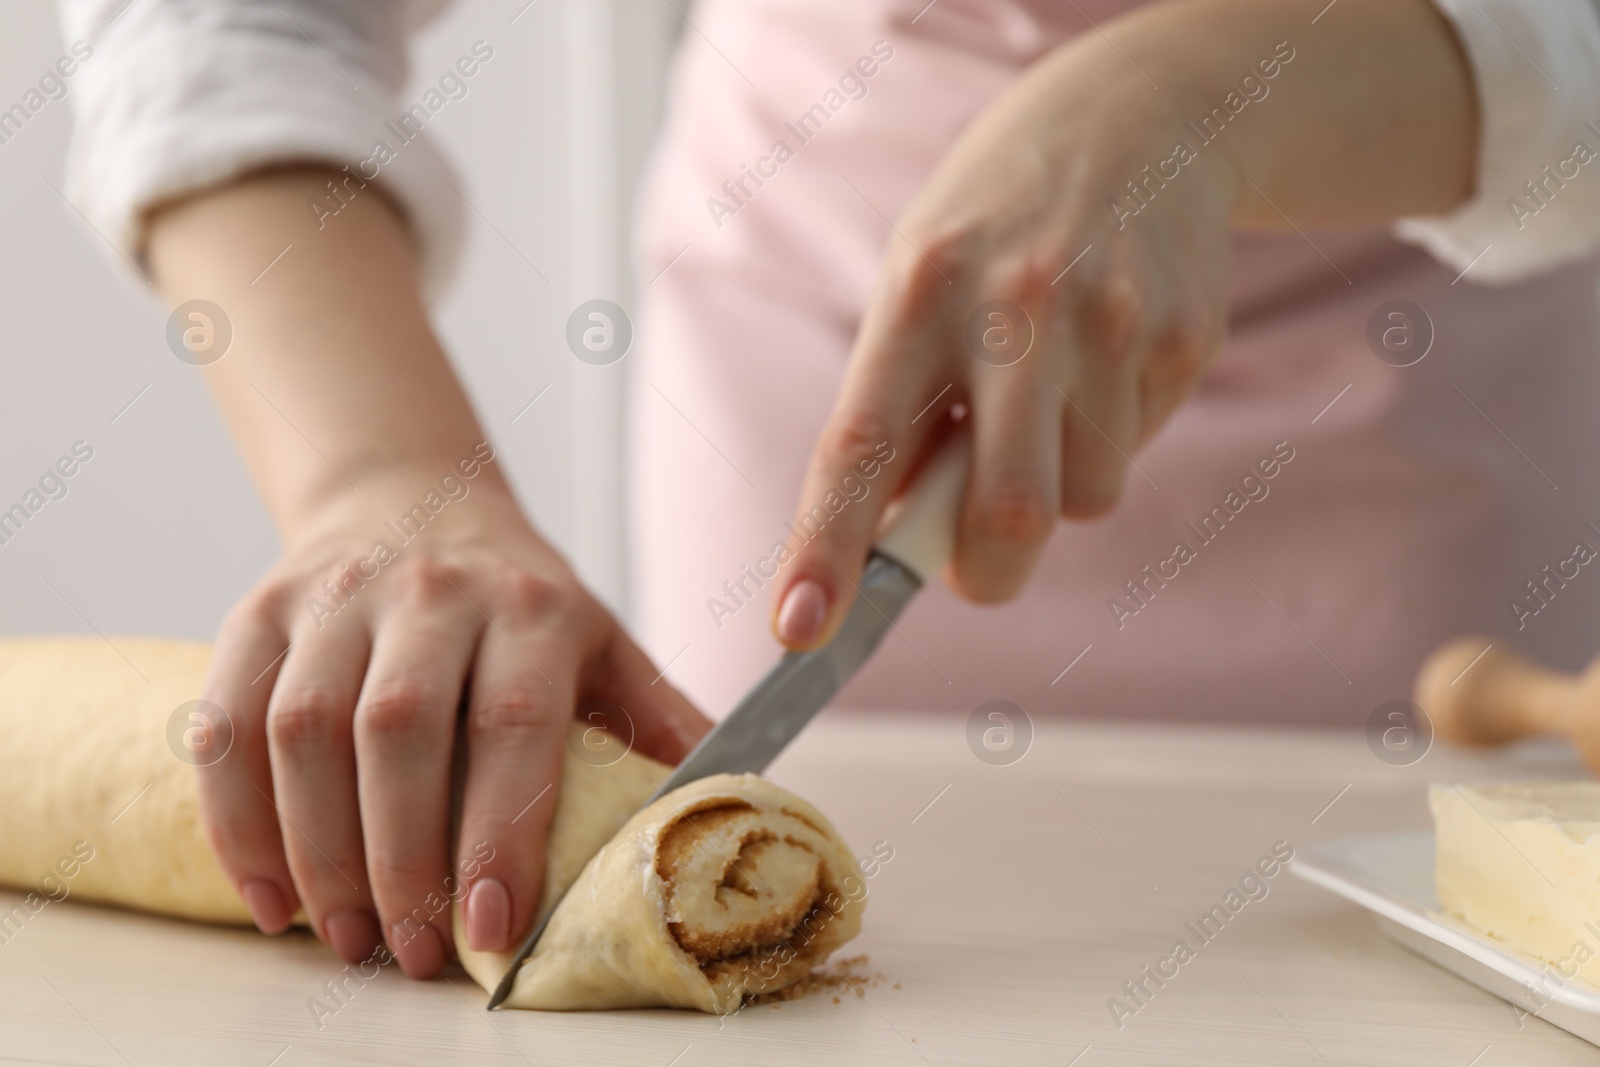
(162, 530)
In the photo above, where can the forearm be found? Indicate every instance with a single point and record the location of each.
(334, 377)
(1374, 118)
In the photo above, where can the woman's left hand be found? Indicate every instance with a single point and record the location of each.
(1068, 333)
(1063, 273)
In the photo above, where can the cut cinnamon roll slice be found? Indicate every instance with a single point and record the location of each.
(726, 888)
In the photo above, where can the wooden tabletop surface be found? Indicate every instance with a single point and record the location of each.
(1020, 898)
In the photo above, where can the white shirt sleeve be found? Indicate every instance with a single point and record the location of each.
(183, 94)
(1537, 202)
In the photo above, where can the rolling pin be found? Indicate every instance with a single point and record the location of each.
(1502, 697)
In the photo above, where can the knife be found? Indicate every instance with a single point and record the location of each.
(918, 538)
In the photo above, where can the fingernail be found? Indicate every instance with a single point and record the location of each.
(267, 906)
(488, 916)
(419, 950)
(805, 608)
(353, 934)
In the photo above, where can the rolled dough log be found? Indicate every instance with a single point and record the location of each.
(727, 887)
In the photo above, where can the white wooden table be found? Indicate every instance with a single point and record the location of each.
(1019, 899)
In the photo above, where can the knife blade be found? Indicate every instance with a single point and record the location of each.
(920, 533)
(801, 683)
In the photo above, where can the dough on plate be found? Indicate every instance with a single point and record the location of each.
(727, 887)
(1520, 861)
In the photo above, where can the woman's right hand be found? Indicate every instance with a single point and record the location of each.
(342, 673)
(336, 795)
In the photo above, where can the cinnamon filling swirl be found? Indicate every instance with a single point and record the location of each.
(743, 885)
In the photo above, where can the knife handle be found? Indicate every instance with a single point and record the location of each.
(919, 528)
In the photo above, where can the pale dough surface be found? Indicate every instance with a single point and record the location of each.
(84, 757)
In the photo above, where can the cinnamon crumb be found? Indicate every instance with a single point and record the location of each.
(839, 975)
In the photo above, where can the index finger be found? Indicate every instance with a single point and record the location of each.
(892, 398)
(521, 700)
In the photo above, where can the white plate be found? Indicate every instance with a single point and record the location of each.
(1391, 875)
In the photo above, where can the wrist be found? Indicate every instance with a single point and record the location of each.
(408, 493)
(1219, 64)
(1356, 120)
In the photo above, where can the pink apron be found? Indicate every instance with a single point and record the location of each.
(1415, 508)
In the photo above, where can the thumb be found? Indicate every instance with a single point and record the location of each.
(664, 723)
